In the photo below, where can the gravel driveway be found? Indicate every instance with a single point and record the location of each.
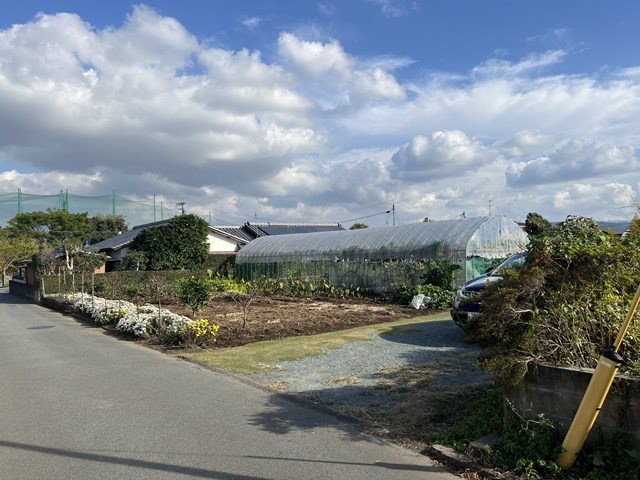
(424, 357)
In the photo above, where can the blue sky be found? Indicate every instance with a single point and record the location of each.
(326, 109)
(445, 35)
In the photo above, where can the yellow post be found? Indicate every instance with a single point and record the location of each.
(596, 393)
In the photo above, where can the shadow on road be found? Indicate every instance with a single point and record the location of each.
(128, 462)
(8, 299)
(278, 417)
(390, 466)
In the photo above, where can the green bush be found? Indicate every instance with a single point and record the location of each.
(222, 284)
(307, 287)
(440, 298)
(439, 273)
(195, 292)
(565, 305)
(180, 244)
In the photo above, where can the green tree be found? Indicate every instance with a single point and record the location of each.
(51, 228)
(181, 244)
(12, 250)
(536, 225)
(135, 260)
(358, 226)
(106, 226)
(195, 293)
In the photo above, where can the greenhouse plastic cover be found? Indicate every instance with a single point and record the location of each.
(487, 237)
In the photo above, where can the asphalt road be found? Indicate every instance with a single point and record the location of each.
(76, 403)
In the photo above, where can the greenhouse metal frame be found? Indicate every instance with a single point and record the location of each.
(380, 258)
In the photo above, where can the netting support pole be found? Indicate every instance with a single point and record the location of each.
(113, 202)
(19, 201)
(154, 207)
(65, 205)
(209, 217)
(161, 211)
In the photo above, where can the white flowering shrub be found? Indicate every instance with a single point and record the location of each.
(149, 320)
(141, 321)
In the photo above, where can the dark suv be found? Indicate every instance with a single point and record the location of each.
(466, 304)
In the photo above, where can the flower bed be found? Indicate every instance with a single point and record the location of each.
(142, 321)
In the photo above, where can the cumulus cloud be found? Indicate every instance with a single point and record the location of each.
(496, 106)
(574, 160)
(11, 180)
(445, 154)
(80, 99)
(315, 59)
(526, 142)
(336, 79)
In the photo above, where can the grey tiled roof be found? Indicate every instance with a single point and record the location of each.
(234, 230)
(116, 242)
(261, 229)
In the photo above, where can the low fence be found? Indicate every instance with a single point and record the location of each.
(29, 292)
(557, 392)
(118, 284)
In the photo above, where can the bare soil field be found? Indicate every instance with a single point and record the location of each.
(274, 317)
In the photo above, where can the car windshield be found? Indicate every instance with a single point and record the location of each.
(515, 261)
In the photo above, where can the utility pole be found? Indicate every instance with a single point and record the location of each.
(154, 207)
(181, 205)
(393, 211)
(113, 202)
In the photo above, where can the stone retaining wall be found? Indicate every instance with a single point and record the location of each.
(557, 392)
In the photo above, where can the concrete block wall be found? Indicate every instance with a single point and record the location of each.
(557, 392)
(29, 292)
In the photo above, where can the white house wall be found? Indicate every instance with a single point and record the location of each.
(220, 244)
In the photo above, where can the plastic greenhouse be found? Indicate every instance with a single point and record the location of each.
(379, 258)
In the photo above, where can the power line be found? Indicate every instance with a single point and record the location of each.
(366, 216)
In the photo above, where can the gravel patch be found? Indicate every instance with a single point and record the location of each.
(360, 374)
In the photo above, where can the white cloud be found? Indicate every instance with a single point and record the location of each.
(574, 160)
(315, 59)
(495, 106)
(445, 154)
(49, 182)
(499, 68)
(561, 199)
(251, 22)
(115, 98)
(337, 80)
(396, 8)
(526, 142)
